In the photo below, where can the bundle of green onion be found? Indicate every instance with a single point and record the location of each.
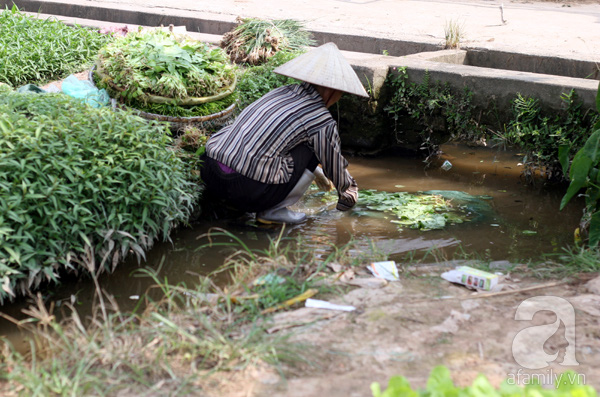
(254, 40)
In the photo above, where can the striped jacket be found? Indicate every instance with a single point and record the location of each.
(258, 143)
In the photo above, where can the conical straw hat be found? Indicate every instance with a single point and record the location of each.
(324, 66)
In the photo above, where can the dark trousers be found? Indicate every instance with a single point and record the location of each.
(248, 195)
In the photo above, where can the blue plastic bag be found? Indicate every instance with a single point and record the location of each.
(84, 89)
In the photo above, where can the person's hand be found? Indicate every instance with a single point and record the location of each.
(321, 180)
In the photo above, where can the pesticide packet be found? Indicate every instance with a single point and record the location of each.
(471, 278)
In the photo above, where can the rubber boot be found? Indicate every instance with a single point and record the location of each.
(279, 213)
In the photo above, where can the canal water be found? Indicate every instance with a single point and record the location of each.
(521, 222)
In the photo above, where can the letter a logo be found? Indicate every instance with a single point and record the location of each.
(528, 344)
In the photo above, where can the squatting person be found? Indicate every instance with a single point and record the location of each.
(269, 156)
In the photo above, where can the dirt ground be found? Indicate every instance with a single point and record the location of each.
(410, 326)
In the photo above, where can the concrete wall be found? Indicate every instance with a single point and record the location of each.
(533, 63)
(493, 91)
(494, 77)
(495, 87)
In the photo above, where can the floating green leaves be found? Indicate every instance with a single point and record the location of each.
(415, 211)
(434, 209)
(36, 51)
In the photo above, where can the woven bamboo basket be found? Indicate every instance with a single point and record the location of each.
(178, 124)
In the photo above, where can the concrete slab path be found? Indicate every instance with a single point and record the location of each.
(563, 29)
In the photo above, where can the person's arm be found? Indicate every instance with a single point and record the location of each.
(328, 151)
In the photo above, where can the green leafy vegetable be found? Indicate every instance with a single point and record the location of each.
(256, 81)
(81, 188)
(156, 62)
(567, 384)
(37, 51)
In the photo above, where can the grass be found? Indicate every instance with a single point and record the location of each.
(571, 262)
(189, 340)
(180, 340)
(453, 34)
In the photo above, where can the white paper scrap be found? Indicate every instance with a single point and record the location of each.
(386, 270)
(452, 275)
(319, 304)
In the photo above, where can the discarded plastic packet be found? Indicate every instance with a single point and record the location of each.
(386, 270)
(319, 304)
(471, 278)
(446, 165)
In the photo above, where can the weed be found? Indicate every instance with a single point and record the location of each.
(540, 135)
(179, 339)
(174, 346)
(434, 107)
(572, 261)
(453, 34)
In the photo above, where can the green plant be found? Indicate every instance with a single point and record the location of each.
(5, 88)
(174, 110)
(261, 280)
(256, 81)
(568, 384)
(583, 172)
(255, 40)
(36, 51)
(178, 344)
(453, 34)
(178, 339)
(163, 68)
(540, 135)
(79, 185)
(570, 262)
(433, 107)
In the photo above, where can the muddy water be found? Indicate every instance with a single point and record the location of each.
(515, 207)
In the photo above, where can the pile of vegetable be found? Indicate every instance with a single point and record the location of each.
(82, 187)
(256, 81)
(254, 40)
(161, 72)
(37, 51)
